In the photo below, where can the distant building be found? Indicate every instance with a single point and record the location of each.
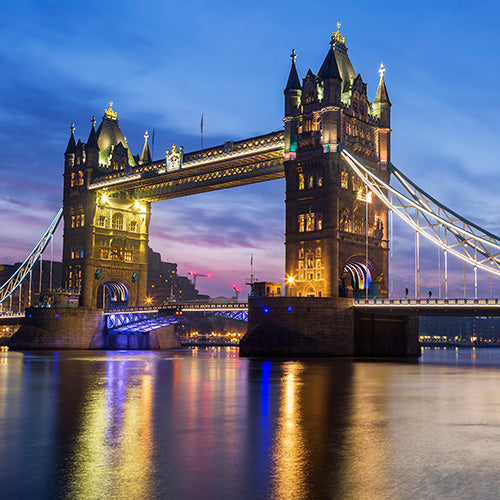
(266, 289)
(165, 285)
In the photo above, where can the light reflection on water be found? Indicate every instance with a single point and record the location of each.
(205, 424)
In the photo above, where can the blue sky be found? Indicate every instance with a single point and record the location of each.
(165, 63)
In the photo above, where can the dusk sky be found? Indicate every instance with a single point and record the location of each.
(165, 63)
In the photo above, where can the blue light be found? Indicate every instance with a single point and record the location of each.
(57, 316)
(266, 310)
(289, 309)
(29, 316)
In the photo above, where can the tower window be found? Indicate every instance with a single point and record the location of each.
(344, 180)
(319, 222)
(117, 221)
(310, 222)
(101, 221)
(301, 181)
(301, 223)
(133, 226)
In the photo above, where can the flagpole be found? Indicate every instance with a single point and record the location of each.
(201, 127)
(153, 146)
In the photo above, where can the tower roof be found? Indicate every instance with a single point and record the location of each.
(293, 79)
(92, 140)
(71, 147)
(145, 158)
(382, 96)
(337, 61)
(110, 135)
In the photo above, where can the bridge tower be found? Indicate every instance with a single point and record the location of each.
(336, 232)
(105, 244)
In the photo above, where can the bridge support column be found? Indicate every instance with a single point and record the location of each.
(312, 326)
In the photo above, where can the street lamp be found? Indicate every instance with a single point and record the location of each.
(290, 280)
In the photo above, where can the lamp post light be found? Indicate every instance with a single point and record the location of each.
(290, 280)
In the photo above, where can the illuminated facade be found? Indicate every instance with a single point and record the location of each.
(105, 233)
(336, 231)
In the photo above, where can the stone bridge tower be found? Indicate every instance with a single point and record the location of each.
(332, 248)
(105, 232)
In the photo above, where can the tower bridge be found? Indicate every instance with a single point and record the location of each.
(335, 154)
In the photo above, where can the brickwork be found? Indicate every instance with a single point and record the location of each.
(308, 326)
(59, 328)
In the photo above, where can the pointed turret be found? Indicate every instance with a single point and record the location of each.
(382, 95)
(92, 148)
(293, 90)
(330, 73)
(145, 158)
(329, 69)
(293, 79)
(382, 104)
(69, 154)
(382, 110)
(92, 140)
(71, 147)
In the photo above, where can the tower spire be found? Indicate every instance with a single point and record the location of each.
(71, 147)
(92, 140)
(293, 78)
(382, 96)
(145, 158)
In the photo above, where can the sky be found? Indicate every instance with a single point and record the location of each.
(165, 63)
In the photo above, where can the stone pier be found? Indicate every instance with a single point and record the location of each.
(313, 326)
(81, 328)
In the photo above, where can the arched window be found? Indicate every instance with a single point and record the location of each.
(117, 221)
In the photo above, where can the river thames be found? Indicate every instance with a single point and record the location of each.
(205, 424)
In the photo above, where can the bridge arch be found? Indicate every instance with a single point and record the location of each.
(112, 294)
(357, 277)
(310, 291)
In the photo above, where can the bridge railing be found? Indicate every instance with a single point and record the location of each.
(427, 302)
(180, 306)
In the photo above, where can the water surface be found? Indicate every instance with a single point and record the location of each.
(205, 424)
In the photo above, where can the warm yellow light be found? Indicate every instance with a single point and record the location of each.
(149, 300)
(137, 205)
(104, 198)
(291, 280)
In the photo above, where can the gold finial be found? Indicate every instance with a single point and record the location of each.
(72, 128)
(293, 55)
(337, 37)
(93, 121)
(109, 113)
(146, 135)
(173, 149)
(381, 70)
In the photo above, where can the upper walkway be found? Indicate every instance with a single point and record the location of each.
(228, 165)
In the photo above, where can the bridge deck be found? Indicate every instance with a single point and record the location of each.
(232, 164)
(431, 307)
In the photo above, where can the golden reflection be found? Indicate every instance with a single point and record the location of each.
(291, 451)
(113, 454)
(368, 441)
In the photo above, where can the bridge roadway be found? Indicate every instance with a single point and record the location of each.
(145, 319)
(430, 307)
(228, 165)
